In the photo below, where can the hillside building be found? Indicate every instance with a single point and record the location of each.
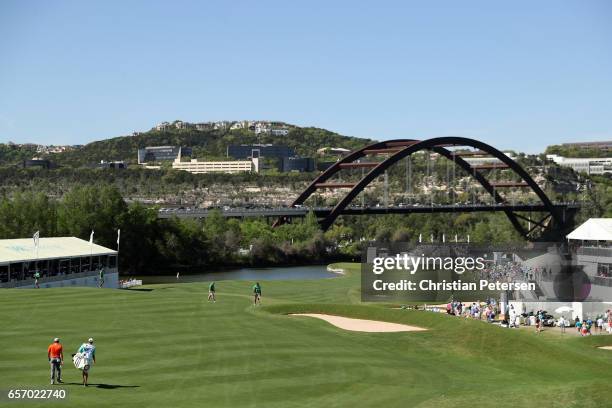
(334, 151)
(117, 164)
(299, 164)
(162, 153)
(163, 126)
(592, 165)
(36, 162)
(201, 167)
(259, 150)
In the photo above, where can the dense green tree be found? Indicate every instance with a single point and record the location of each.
(27, 213)
(140, 228)
(92, 208)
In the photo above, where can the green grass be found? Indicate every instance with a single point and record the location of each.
(169, 347)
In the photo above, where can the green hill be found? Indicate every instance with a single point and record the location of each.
(11, 153)
(206, 144)
(572, 151)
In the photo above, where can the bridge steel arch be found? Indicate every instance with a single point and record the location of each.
(337, 166)
(401, 148)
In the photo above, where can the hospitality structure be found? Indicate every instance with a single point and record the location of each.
(59, 261)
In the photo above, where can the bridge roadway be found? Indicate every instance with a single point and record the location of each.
(321, 212)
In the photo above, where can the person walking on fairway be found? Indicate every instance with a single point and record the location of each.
(101, 278)
(88, 350)
(55, 354)
(36, 278)
(257, 293)
(211, 292)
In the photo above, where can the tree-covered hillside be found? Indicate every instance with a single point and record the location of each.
(14, 154)
(206, 144)
(572, 151)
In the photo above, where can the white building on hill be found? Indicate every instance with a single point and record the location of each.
(592, 165)
(229, 166)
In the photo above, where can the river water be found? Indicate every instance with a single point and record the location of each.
(250, 274)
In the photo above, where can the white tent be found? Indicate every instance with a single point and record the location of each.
(593, 229)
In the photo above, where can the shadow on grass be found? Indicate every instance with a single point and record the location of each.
(140, 290)
(104, 386)
(113, 386)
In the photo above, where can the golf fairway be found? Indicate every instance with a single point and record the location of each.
(167, 346)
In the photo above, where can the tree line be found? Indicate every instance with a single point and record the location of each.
(152, 245)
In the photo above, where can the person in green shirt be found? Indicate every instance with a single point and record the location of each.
(36, 278)
(101, 278)
(211, 292)
(257, 293)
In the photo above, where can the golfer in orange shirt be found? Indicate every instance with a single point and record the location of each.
(55, 354)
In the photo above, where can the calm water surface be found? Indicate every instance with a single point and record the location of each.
(250, 274)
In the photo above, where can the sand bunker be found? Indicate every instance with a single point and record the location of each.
(606, 347)
(370, 326)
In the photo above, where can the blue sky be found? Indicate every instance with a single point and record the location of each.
(518, 74)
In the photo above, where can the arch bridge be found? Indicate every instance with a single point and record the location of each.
(553, 222)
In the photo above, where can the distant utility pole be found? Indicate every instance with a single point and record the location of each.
(386, 189)
(409, 177)
(363, 192)
(453, 197)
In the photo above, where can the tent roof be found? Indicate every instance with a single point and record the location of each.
(593, 229)
(22, 249)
